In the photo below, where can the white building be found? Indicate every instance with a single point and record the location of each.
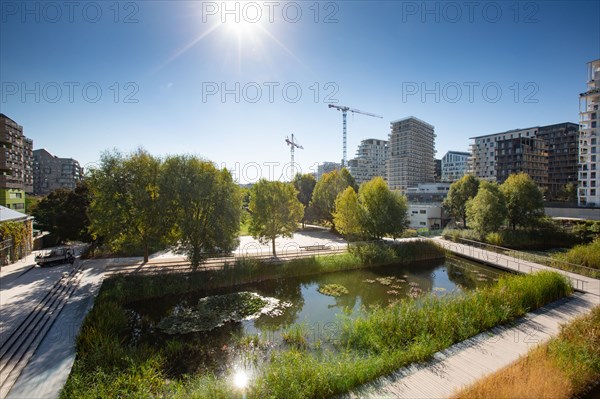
(411, 151)
(589, 139)
(454, 165)
(425, 216)
(370, 161)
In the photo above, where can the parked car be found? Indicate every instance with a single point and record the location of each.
(56, 256)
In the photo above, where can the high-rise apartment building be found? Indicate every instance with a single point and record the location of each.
(546, 153)
(522, 154)
(563, 156)
(51, 172)
(411, 150)
(589, 139)
(16, 164)
(370, 160)
(454, 165)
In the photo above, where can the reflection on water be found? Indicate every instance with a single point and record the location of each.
(243, 345)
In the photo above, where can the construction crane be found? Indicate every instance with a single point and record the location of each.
(293, 145)
(344, 111)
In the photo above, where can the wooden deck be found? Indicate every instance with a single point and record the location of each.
(464, 363)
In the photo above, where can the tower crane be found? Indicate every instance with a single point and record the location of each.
(344, 110)
(293, 144)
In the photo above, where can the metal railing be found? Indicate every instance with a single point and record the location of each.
(496, 255)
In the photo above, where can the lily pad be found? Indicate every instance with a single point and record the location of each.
(333, 290)
(214, 311)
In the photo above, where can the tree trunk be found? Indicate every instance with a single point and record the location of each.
(274, 254)
(145, 252)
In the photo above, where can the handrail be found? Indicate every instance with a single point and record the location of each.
(528, 254)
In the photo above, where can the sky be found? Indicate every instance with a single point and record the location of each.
(229, 81)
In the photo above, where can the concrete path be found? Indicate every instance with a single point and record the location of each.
(582, 283)
(464, 363)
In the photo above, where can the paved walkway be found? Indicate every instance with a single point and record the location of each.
(466, 362)
(582, 283)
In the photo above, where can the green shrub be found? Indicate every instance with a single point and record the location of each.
(587, 255)
(495, 239)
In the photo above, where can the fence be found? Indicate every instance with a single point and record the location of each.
(520, 261)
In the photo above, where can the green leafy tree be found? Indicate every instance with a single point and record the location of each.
(524, 200)
(275, 210)
(305, 185)
(460, 192)
(376, 211)
(202, 207)
(487, 210)
(125, 208)
(329, 186)
(348, 215)
(385, 211)
(63, 213)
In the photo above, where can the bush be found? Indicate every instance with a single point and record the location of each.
(495, 239)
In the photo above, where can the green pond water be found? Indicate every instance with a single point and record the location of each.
(247, 343)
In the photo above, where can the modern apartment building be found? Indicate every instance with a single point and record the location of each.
(16, 164)
(411, 150)
(370, 160)
(563, 156)
(51, 172)
(522, 154)
(326, 167)
(546, 153)
(454, 165)
(589, 139)
(482, 163)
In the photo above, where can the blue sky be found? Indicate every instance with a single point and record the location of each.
(83, 77)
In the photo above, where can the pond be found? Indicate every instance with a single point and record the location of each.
(298, 312)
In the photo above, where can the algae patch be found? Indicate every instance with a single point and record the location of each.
(214, 311)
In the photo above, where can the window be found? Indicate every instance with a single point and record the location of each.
(422, 223)
(422, 211)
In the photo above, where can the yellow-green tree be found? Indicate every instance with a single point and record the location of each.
(487, 210)
(524, 200)
(460, 192)
(329, 186)
(275, 211)
(348, 215)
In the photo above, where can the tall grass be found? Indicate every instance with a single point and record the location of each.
(368, 347)
(562, 368)
(587, 255)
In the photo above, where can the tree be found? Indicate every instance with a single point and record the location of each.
(487, 210)
(524, 200)
(385, 211)
(63, 213)
(348, 215)
(460, 192)
(305, 184)
(202, 206)
(375, 212)
(125, 208)
(329, 186)
(275, 210)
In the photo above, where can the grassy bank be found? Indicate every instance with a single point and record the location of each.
(366, 348)
(563, 368)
